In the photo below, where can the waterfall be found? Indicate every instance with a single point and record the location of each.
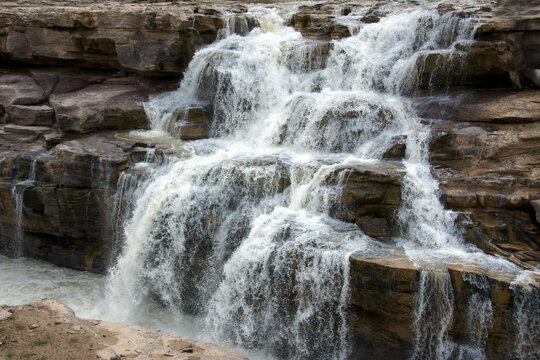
(434, 308)
(17, 195)
(479, 318)
(235, 237)
(526, 317)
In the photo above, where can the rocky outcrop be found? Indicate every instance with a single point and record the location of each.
(100, 107)
(485, 154)
(48, 329)
(369, 196)
(57, 205)
(149, 39)
(385, 292)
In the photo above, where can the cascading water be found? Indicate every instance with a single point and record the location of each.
(526, 318)
(235, 237)
(479, 318)
(17, 194)
(433, 315)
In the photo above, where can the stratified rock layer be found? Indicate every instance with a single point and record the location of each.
(383, 301)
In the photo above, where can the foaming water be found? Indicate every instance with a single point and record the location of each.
(239, 235)
(255, 207)
(479, 318)
(25, 280)
(526, 317)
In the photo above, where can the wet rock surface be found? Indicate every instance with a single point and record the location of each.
(485, 149)
(65, 196)
(383, 299)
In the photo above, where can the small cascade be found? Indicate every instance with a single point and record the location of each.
(239, 24)
(526, 318)
(32, 176)
(17, 194)
(433, 313)
(125, 188)
(479, 318)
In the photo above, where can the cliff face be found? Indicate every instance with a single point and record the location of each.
(73, 79)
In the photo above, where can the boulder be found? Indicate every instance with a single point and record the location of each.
(38, 115)
(369, 195)
(190, 124)
(100, 107)
(317, 22)
(19, 90)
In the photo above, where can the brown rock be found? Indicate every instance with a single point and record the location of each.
(536, 206)
(374, 227)
(30, 131)
(138, 37)
(19, 90)
(99, 107)
(316, 22)
(383, 291)
(190, 124)
(40, 115)
(397, 149)
(485, 106)
(369, 190)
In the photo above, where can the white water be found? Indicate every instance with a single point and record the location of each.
(479, 318)
(433, 315)
(526, 318)
(25, 280)
(238, 234)
(233, 242)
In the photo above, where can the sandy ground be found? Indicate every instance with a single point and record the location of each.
(49, 330)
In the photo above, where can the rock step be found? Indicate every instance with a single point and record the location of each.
(383, 293)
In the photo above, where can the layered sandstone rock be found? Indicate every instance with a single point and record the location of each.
(149, 39)
(385, 292)
(485, 155)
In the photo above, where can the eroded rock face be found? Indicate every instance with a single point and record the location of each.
(58, 205)
(485, 159)
(383, 301)
(146, 39)
(100, 107)
(369, 197)
(190, 124)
